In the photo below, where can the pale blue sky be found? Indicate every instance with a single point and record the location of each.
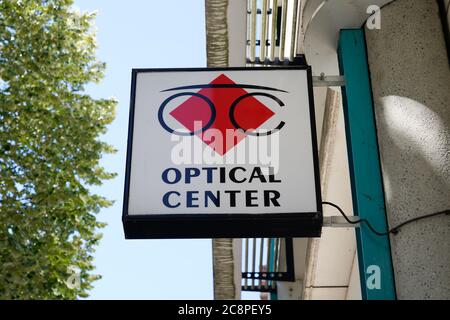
(145, 34)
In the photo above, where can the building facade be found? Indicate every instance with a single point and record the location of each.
(407, 58)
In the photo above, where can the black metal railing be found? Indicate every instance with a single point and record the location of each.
(265, 262)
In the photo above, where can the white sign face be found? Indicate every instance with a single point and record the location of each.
(221, 142)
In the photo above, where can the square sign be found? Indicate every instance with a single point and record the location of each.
(222, 152)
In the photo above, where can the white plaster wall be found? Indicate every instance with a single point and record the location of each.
(354, 285)
(411, 86)
(330, 263)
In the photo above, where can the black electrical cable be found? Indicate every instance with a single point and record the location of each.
(394, 230)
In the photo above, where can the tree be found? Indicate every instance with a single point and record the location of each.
(49, 150)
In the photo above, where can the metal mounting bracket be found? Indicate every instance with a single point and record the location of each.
(328, 81)
(340, 222)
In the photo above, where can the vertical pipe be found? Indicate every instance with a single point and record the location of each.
(278, 242)
(262, 54)
(294, 31)
(253, 10)
(246, 262)
(249, 29)
(269, 256)
(276, 262)
(254, 262)
(261, 256)
(283, 30)
(273, 33)
(274, 259)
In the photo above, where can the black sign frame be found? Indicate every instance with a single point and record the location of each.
(220, 225)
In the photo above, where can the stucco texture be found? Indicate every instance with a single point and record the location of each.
(411, 85)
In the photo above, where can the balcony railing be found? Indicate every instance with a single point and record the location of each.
(272, 31)
(266, 261)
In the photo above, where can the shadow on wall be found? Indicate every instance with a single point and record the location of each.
(416, 157)
(411, 86)
(415, 152)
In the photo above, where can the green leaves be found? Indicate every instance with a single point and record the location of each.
(49, 149)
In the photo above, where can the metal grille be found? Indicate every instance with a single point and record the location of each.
(266, 261)
(272, 31)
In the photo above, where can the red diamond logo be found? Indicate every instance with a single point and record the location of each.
(250, 114)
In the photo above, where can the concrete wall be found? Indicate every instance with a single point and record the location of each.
(447, 4)
(330, 269)
(411, 85)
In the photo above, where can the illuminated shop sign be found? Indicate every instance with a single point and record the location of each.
(222, 153)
